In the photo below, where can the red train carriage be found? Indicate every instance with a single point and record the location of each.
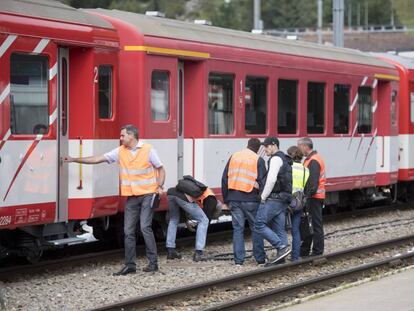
(58, 87)
(199, 92)
(70, 78)
(405, 68)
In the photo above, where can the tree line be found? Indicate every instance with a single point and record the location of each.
(275, 14)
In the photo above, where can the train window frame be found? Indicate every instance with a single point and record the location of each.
(36, 128)
(230, 81)
(316, 113)
(364, 107)
(296, 83)
(345, 102)
(256, 117)
(166, 113)
(412, 106)
(108, 97)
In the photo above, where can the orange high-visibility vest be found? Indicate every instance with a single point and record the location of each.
(205, 194)
(320, 193)
(137, 175)
(242, 172)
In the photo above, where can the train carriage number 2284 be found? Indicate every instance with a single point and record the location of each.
(5, 220)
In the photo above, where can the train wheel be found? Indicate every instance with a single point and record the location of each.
(33, 254)
(160, 230)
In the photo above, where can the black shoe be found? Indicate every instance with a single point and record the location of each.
(199, 256)
(125, 270)
(173, 254)
(151, 268)
(281, 254)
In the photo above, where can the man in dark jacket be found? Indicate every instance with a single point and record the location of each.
(242, 181)
(276, 196)
(315, 191)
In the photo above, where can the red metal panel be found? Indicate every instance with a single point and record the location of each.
(23, 215)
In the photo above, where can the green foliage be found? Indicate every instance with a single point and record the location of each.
(238, 14)
(404, 10)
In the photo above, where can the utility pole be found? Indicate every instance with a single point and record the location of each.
(392, 13)
(320, 15)
(358, 14)
(257, 22)
(366, 13)
(338, 22)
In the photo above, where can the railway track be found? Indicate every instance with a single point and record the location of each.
(49, 265)
(253, 278)
(96, 255)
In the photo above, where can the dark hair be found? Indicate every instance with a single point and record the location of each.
(38, 127)
(130, 129)
(295, 153)
(306, 141)
(254, 144)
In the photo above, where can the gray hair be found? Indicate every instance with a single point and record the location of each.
(130, 129)
(306, 141)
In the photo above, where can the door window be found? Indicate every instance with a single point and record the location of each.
(160, 95)
(105, 91)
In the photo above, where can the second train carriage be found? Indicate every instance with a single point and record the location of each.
(199, 92)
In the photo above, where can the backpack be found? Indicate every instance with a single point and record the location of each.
(191, 186)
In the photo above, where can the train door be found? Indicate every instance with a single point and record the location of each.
(62, 134)
(180, 117)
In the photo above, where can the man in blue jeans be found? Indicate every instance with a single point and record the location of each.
(177, 200)
(277, 193)
(242, 181)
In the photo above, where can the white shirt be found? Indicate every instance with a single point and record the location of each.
(274, 167)
(113, 155)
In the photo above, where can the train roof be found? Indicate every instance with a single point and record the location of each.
(173, 29)
(52, 10)
(407, 62)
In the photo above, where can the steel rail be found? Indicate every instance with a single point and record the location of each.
(144, 302)
(57, 264)
(270, 296)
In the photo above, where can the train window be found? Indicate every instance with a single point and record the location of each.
(105, 91)
(220, 104)
(256, 105)
(393, 108)
(287, 106)
(341, 109)
(364, 110)
(160, 95)
(29, 89)
(316, 108)
(412, 106)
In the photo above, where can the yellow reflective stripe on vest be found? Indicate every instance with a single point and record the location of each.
(241, 179)
(138, 182)
(242, 171)
(137, 172)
